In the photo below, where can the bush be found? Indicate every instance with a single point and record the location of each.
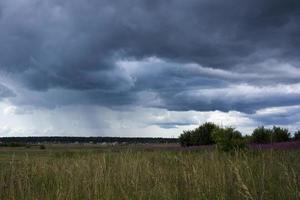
(13, 144)
(297, 135)
(200, 136)
(203, 134)
(280, 134)
(186, 138)
(247, 139)
(261, 135)
(228, 139)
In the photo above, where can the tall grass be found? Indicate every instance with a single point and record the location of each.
(136, 174)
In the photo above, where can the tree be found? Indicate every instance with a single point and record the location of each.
(203, 134)
(261, 135)
(200, 136)
(186, 138)
(280, 134)
(297, 135)
(228, 139)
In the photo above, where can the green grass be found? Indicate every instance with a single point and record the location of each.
(136, 173)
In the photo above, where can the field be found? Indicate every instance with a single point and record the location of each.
(147, 172)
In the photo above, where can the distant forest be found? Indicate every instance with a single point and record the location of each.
(129, 140)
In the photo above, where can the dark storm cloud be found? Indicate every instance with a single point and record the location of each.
(54, 46)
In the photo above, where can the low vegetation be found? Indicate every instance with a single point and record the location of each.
(95, 140)
(297, 135)
(228, 138)
(277, 134)
(13, 144)
(129, 173)
(200, 136)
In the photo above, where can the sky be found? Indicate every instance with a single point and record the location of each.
(147, 68)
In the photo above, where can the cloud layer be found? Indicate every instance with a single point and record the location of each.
(177, 56)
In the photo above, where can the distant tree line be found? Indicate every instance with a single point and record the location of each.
(228, 138)
(262, 135)
(129, 140)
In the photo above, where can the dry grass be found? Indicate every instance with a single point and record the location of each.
(130, 173)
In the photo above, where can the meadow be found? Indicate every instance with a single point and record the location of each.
(145, 172)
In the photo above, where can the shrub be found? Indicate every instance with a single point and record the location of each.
(186, 138)
(280, 134)
(261, 135)
(200, 136)
(13, 144)
(42, 146)
(247, 139)
(228, 139)
(297, 135)
(203, 134)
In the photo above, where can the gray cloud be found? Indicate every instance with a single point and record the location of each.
(284, 115)
(214, 55)
(5, 92)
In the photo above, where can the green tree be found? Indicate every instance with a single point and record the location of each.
(203, 134)
(297, 135)
(199, 136)
(280, 134)
(261, 135)
(185, 138)
(228, 139)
